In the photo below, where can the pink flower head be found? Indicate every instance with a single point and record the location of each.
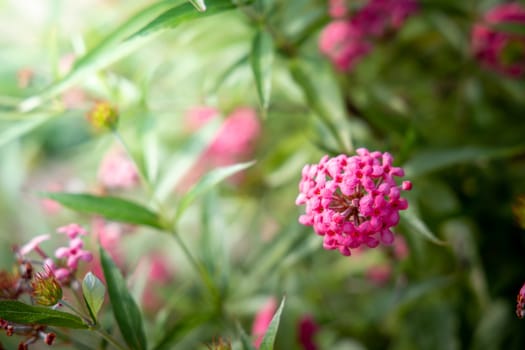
(379, 274)
(307, 328)
(352, 201)
(72, 230)
(236, 138)
(34, 245)
(379, 16)
(343, 44)
(109, 235)
(197, 117)
(520, 305)
(498, 50)
(74, 253)
(337, 8)
(262, 320)
(117, 170)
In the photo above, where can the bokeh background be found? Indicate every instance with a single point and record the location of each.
(456, 126)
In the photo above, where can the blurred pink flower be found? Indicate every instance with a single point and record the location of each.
(72, 230)
(498, 50)
(262, 320)
(520, 305)
(379, 274)
(343, 44)
(197, 117)
(109, 235)
(379, 16)
(34, 245)
(352, 201)
(74, 253)
(337, 8)
(346, 40)
(117, 170)
(234, 142)
(307, 328)
(401, 250)
(160, 273)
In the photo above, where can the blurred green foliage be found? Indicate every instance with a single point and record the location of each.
(455, 126)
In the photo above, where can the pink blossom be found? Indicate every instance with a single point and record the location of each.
(262, 320)
(74, 253)
(379, 274)
(343, 44)
(307, 328)
(234, 142)
(197, 117)
(378, 16)
(352, 201)
(117, 170)
(501, 51)
(160, 273)
(401, 250)
(520, 304)
(109, 235)
(72, 230)
(34, 245)
(62, 274)
(236, 138)
(337, 8)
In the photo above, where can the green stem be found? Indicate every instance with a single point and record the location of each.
(201, 270)
(109, 338)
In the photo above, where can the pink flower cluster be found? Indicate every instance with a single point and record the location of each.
(501, 51)
(352, 201)
(117, 170)
(349, 38)
(72, 254)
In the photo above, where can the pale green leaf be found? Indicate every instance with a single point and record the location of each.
(261, 61)
(93, 291)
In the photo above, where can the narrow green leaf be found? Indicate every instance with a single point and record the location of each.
(22, 127)
(198, 4)
(414, 223)
(245, 339)
(18, 312)
(262, 60)
(112, 208)
(271, 333)
(207, 182)
(94, 292)
(125, 310)
(182, 13)
(108, 51)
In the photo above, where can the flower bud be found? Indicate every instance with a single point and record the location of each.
(46, 289)
(103, 116)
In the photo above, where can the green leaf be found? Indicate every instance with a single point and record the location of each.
(245, 339)
(112, 208)
(198, 4)
(108, 51)
(432, 160)
(414, 223)
(271, 332)
(94, 292)
(207, 182)
(125, 310)
(18, 312)
(182, 13)
(262, 60)
(23, 126)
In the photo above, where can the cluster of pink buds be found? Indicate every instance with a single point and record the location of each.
(349, 37)
(499, 50)
(353, 201)
(32, 333)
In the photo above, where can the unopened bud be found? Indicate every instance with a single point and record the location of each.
(103, 116)
(46, 289)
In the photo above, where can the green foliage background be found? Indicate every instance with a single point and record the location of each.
(456, 127)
